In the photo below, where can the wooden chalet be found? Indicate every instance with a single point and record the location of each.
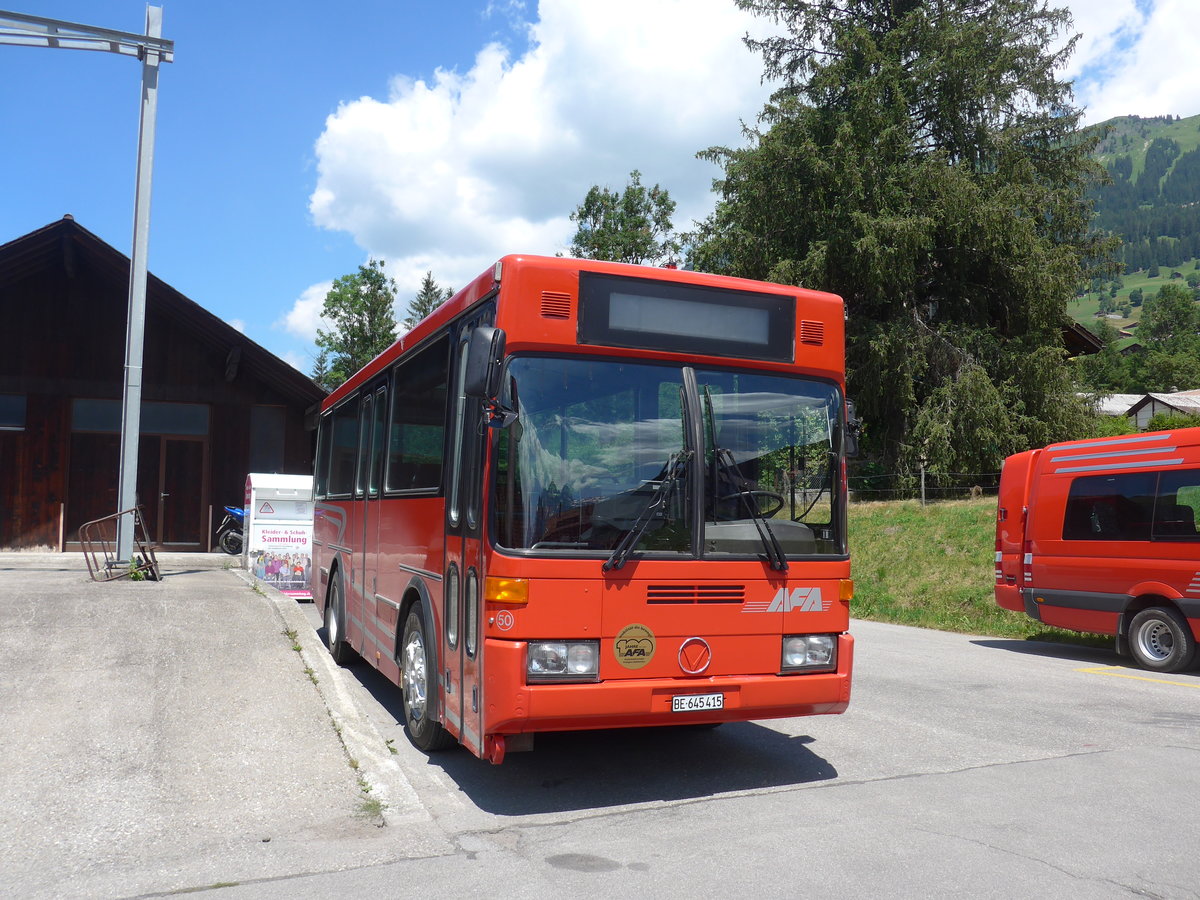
(215, 405)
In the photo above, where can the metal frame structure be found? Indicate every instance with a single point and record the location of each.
(18, 29)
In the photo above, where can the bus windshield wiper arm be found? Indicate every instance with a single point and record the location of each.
(775, 555)
(676, 467)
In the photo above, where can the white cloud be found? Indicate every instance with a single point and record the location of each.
(1136, 57)
(304, 318)
(448, 175)
(237, 325)
(297, 361)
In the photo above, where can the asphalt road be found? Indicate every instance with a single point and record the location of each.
(166, 738)
(965, 766)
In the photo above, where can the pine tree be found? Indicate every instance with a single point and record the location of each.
(428, 298)
(922, 159)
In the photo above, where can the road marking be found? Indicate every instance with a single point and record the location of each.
(1118, 672)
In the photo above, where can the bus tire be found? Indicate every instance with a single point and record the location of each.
(1160, 640)
(335, 624)
(417, 681)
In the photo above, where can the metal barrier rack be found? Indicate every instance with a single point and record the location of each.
(99, 540)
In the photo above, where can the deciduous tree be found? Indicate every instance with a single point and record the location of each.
(633, 226)
(360, 309)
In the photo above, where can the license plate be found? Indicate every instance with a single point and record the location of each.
(694, 702)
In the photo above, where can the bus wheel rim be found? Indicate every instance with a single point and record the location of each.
(1156, 641)
(414, 677)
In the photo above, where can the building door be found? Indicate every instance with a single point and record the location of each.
(172, 483)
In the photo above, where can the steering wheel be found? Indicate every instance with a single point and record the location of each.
(776, 499)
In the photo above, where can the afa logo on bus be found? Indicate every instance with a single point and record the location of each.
(805, 599)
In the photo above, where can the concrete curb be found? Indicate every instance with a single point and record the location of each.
(361, 738)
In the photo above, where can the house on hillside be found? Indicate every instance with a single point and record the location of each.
(215, 405)
(1185, 402)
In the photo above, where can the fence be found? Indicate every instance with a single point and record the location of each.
(922, 485)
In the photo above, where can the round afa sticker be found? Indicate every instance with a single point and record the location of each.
(634, 646)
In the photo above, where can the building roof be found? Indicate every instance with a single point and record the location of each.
(1078, 339)
(1116, 404)
(63, 242)
(1187, 402)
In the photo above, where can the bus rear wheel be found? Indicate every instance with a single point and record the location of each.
(1160, 640)
(417, 681)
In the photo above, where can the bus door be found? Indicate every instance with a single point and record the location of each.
(462, 671)
(375, 637)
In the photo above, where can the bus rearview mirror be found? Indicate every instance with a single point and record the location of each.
(485, 353)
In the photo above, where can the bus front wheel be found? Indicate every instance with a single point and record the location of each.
(417, 681)
(1160, 640)
(335, 625)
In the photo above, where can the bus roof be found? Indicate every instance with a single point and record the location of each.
(515, 264)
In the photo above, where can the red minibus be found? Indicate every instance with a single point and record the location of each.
(1100, 536)
(590, 495)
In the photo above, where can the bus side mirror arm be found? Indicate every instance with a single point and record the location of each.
(853, 430)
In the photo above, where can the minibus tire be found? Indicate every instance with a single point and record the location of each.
(416, 680)
(1160, 640)
(335, 624)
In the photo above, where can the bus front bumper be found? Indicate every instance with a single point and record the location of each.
(515, 707)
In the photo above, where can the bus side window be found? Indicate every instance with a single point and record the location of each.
(1175, 514)
(1110, 507)
(417, 441)
(321, 466)
(343, 449)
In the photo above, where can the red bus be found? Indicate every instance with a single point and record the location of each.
(589, 495)
(1100, 536)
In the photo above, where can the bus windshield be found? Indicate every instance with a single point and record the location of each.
(602, 450)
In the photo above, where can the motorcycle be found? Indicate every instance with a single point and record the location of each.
(229, 536)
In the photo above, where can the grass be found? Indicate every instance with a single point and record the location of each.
(933, 567)
(1083, 309)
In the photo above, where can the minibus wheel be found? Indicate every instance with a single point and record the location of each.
(1160, 639)
(417, 680)
(335, 624)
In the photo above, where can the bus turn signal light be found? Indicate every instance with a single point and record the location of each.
(507, 591)
(846, 589)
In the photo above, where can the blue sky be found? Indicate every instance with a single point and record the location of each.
(295, 139)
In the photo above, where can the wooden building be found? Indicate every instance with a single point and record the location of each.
(215, 405)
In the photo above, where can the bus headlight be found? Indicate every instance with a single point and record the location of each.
(563, 661)
(809, 653)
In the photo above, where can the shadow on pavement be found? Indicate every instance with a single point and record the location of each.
(1078, 652)
(597, 769)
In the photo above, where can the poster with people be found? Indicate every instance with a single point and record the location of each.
(281, 556)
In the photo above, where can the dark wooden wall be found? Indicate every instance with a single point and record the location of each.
(64, 315)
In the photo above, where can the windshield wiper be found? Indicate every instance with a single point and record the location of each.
(775, 556)
(676, 468)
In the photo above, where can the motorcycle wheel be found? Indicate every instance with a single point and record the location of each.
(230, 542)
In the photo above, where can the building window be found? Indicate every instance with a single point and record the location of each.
(156, 418)
(267, 424)
(12, 412)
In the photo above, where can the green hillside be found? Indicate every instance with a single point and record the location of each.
(1153, 200)
(1132, 136)
(1153, 205)
(1085, 308)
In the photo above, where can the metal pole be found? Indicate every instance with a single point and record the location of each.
(131, 406)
